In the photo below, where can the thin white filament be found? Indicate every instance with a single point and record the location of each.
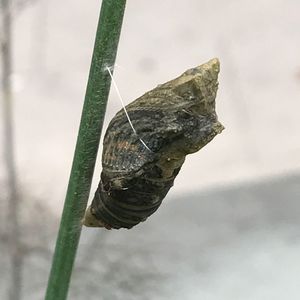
(124, 107)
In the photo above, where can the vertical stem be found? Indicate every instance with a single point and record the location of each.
(9, 154)
(105, 49)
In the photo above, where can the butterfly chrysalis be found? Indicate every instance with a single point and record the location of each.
(139, 167)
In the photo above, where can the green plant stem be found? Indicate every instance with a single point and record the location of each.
(105, 49)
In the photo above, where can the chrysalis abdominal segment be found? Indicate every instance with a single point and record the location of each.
(174, 119)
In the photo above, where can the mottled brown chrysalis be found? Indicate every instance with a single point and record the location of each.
(174, 119)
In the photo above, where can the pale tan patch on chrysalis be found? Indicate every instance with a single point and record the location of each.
(89, 219)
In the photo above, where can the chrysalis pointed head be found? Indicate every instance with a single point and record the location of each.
(198, 87)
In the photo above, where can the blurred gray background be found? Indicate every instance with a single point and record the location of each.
(229, 228)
